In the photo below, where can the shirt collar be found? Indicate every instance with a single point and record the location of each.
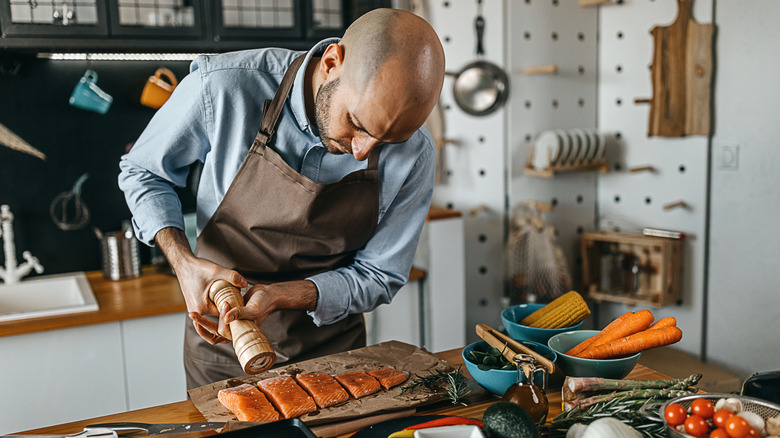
(297, 100)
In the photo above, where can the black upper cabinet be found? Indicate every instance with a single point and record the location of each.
(173, 25)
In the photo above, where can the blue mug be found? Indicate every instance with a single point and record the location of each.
(88, 96)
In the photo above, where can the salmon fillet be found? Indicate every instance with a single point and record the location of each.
(358, 383)
(247, 403)
(389, 377)
(289, 398)
(325, 390)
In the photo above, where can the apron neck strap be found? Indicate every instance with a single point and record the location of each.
(272, 109)
(373, 158)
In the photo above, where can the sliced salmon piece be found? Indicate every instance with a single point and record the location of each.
(248, 403)
(358, 383)
(289, 398)
(389, 377)
(325, 390)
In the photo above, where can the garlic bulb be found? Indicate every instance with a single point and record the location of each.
(754, 420)
(576, 430)
(610, 428)
(730, 404)
(773, 426)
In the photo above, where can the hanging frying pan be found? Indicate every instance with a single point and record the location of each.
(481, 87)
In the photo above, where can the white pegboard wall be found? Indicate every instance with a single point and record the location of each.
(561, 33)
(631, 201)
(474, 156)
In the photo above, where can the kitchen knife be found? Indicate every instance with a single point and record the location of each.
(95, 432)
(156, 429)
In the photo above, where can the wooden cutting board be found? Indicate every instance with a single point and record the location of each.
(681, 76)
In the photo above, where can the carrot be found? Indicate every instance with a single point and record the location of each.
(632, 324)
(669, 321)
(579, 348)
(635, 343)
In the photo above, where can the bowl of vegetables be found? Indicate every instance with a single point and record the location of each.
(492, 370)
(580, 367)
(720, 415)
(512, 315)
(540, 322)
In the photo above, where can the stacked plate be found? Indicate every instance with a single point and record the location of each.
(568, 148)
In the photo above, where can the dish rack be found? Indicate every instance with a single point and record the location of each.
(564, 150)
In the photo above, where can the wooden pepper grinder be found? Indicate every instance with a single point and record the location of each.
(253, 350)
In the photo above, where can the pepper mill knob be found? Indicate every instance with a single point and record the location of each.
(253, 350)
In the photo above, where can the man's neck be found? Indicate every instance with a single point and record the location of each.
(312, 82)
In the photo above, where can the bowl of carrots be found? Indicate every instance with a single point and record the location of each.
(540, 322)
(613, 351)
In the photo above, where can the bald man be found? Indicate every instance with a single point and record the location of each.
(315, 175)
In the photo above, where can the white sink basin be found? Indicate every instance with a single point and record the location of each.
(46, 296)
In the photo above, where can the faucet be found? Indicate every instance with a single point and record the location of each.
(12, 273)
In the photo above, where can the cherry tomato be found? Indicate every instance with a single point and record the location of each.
(696, 426)
(719, 433)
(752, 433)
(702, 407)
(737, 427)
(720, 416)
(675, 414)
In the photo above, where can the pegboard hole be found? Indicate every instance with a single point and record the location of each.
(580, 198)
(450, 206)
(681, 168)
(617, 167)
(481, 139)
(648, 200)
(528, 104)
(580, 230)
(483, 302)
(619, 68)
(447, 107)
(617, 199)
(527, 35)
(482, 172)
(581, 102)
(618, 135)
(618, 101)
(528, 138)
(449, 173)
(482, 238)
(446, 4)
(555, 2)
(447, 39)
(581, 36)
(555, 103)
(555, 36)
(620, 35)
(581, 70)
(483, 270)
(554, 202)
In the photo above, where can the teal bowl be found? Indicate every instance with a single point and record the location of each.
(498, 381)
(578, 367)
(512, 315)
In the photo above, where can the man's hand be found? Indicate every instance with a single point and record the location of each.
(195, 276)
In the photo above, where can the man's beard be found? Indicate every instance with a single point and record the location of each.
(322, 118)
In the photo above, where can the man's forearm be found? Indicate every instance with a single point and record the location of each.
(174, 245)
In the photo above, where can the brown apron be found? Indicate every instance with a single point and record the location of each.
(275, 225)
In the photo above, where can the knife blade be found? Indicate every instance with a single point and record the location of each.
(158, 428)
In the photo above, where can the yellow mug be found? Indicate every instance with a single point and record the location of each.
(157, 91)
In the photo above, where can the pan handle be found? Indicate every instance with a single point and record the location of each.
(479, 25)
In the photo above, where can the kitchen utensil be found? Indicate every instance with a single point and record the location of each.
(485, 330)
(121, 259)
(92, 433)
(681, 76)
(156, 429)
(157, 91)
(252, 347)
(579, 367)
(68, 210)
(13, 141)
(88, 96)
(481, 87)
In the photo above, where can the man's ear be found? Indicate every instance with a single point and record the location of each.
(331, 61)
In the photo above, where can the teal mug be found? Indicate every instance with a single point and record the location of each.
(87, 96)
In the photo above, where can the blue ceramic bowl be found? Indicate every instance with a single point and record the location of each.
(578, 367)
(512, 315)
(498, 381)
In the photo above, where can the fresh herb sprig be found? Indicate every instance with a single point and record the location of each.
(454, 383)
(624, 410)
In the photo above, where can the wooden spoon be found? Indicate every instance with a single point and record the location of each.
(497, 340)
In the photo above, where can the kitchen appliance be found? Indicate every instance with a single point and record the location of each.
(121, 259)
(481, 87)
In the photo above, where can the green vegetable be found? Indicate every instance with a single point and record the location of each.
(508, 420)
(493, 359)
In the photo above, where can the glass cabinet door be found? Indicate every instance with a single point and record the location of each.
(53, 17)
(326, 19)
(155, 18)
(258, 19)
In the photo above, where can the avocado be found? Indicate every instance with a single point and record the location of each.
(507, 420)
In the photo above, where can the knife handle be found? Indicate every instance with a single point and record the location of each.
(253, 350)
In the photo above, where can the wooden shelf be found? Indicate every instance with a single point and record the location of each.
(551, 171)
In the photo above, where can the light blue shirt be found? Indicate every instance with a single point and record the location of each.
(212, 118)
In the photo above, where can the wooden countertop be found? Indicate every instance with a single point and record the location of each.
(153, 293)
(186, 411)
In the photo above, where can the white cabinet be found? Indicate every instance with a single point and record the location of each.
(59, 376)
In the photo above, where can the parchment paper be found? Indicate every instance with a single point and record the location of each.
(394, 354)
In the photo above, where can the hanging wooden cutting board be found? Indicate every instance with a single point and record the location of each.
(681, 76)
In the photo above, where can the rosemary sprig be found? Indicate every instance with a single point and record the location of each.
(624, 410)
(454, 383)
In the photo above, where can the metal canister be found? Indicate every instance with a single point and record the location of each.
(121, 259)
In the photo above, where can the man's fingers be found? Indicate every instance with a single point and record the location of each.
(207, 329)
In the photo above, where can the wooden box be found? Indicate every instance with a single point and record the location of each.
(632, 268)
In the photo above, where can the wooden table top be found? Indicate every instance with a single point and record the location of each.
(185, 411)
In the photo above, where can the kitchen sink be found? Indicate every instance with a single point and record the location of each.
(49, 295)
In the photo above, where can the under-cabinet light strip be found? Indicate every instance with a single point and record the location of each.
(119, 56)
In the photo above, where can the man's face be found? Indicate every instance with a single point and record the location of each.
(356, 123)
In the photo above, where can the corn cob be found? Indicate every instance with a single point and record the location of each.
(564, 311)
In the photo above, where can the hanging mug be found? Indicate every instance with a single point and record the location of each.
(157, 91)
(88, 96)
